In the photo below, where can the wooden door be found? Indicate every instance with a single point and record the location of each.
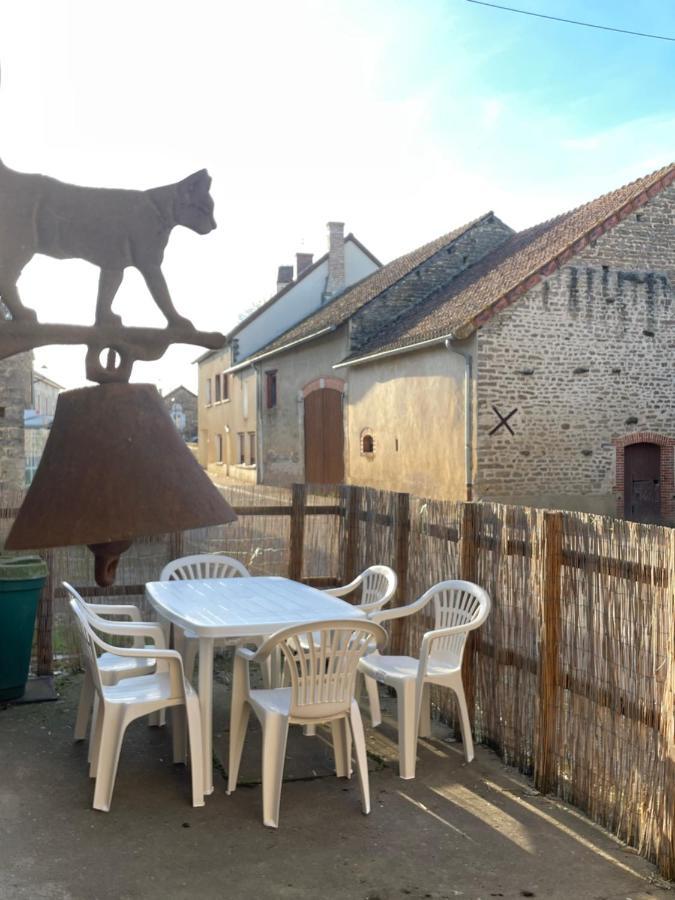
(642, 488)
(324, 437)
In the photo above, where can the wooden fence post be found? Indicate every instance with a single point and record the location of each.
(176, 545)
(45, 620)
(468, 571)
(353, 496)
(402, 555)
(665, 855)
(297, 536)
(549, 639)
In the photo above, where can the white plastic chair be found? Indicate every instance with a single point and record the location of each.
(459, 607)
(377, 583)
(114, 668)
(187, 568)
(322, 675)
(131, 698)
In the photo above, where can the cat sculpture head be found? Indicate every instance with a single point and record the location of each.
(194, 205)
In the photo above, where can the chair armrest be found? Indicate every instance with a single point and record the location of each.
(133, 629)
(344, 589)
(374, 606)
(115, 609)
(399, 612)
(245, 653)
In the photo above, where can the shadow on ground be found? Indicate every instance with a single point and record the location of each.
(476, 831)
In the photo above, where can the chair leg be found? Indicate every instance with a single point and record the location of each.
(84, 708)
(425, 712)
(373, 701)
(190, 657)
(95, 736)
(194, 727)
(238, 726)
(464, 721)
(275, 735)
(112, 734)
(356, 727)
(342, 747)
(407, 729)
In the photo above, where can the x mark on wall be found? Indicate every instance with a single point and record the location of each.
(503, 420)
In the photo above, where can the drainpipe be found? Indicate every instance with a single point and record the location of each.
(259, 396)
(468, 413)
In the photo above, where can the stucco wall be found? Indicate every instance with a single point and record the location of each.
(283, 427)
(586, 358)
(227, 418)
(413, 405)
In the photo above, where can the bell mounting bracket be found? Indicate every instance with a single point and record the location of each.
(124, 345)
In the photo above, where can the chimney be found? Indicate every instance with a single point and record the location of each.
(303, 261)
(336, 259)
(284, 277)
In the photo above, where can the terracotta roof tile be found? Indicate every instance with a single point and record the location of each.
(515, 266)
(338, 310)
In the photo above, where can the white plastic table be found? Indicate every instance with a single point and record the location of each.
(235, 608)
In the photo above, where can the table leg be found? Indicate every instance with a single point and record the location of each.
(206, 708)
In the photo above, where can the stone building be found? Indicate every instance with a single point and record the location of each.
(533, 367)
(182, 405)
(15, 397)
(234, 383)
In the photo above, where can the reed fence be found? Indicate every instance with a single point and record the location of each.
(572, 678)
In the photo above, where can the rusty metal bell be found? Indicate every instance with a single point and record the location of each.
(114, 468)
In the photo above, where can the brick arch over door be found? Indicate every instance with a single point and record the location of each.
(324, 431)
(666, 447)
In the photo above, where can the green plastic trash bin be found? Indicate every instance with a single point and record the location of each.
(21, 580)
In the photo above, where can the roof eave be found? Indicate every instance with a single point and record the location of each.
(394, 351)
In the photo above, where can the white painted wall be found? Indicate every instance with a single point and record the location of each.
(298, 302)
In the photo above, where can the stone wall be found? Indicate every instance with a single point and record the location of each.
(586, 358)
(433, 275)
(15, 396)
(282, 428)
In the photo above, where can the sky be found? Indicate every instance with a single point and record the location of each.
(402, 118)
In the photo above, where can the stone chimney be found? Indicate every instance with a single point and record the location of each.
(284, 277)
(336, 259)
(302, 261)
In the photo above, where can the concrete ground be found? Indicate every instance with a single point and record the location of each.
(476, 831)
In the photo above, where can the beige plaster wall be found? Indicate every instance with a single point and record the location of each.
(227, 418)
(413, 404)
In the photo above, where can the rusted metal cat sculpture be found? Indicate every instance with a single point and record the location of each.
(112, 229)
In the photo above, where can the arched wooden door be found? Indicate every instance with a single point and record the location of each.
(324, 437)
(642, 488)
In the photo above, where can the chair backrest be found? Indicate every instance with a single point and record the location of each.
(321, 660)
(87, 638)
(378, 585)
(457, 603)
(204, 565)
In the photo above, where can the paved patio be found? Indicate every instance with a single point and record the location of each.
(476, 831)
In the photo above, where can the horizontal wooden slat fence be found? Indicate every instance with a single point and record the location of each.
(572, 678)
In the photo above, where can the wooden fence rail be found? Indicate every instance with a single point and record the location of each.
(574, 661)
